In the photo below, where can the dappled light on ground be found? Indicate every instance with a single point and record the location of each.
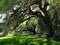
(25, 39)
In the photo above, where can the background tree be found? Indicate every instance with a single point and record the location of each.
(20, 12)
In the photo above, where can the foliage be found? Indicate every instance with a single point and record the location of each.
(31, 15)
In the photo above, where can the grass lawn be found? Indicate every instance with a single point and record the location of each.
(26, 40)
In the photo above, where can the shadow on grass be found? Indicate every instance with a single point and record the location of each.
(26, 40)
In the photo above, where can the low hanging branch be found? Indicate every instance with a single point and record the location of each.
(19, 12)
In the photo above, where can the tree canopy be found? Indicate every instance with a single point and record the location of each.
(36, 16)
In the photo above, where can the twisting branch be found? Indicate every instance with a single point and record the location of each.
(46, 19)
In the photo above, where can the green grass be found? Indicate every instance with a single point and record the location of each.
(27, 40)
